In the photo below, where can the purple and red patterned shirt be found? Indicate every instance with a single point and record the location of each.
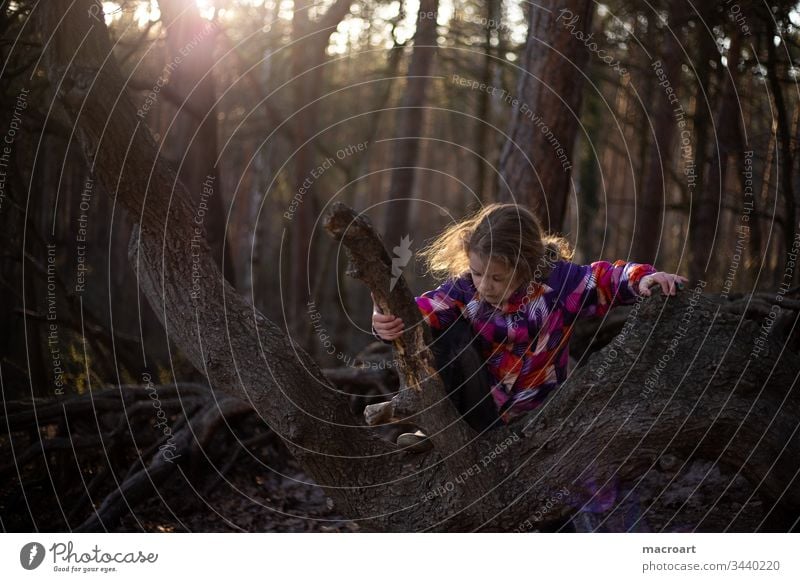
(526, 340)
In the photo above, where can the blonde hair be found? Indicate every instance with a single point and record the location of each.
(509, 233)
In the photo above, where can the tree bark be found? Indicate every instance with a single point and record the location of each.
(533, 170)
(411, 116)
(485, 136)
(704, 216)
(722, 408)
(652, 198)
(784, 161)
(729, 141)
(192, 133)
(310, 38)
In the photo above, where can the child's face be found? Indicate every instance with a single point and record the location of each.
(493, 280)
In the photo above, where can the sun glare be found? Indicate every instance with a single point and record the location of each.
(148, 11)
(349, 30)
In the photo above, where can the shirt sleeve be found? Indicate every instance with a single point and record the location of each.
(442, 306)
(592, 290)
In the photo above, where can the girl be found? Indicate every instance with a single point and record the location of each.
(502, 320)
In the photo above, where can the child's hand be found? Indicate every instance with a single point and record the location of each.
(668, 282)
(387, 326)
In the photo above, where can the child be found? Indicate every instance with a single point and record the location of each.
(511, 295)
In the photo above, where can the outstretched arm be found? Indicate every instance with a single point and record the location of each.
(591, 290)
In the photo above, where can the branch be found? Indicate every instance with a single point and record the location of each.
(422, 398)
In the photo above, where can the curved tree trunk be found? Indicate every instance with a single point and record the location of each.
(741, 412)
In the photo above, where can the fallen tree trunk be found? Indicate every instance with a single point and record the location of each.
(710, 400)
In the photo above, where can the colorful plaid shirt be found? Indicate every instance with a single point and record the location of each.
(526, 341)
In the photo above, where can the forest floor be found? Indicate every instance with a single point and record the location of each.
(266, 494)
(282, 498)
(265, 490)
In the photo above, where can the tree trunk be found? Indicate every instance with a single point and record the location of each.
(309, 41)
(784, 159)
(411, 116)
(536, 161)
(704, 217)
(485, 136)
(729, 142)
(652, 197)
(192, 133)
(721, 409)
(758, 249)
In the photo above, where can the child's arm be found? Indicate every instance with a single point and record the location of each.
(439, 307)
(591, 290)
